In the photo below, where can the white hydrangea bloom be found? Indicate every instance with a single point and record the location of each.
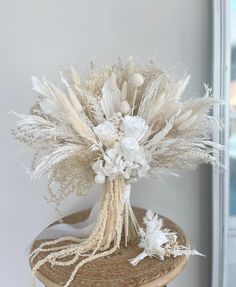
(125, 156)
(106, 132)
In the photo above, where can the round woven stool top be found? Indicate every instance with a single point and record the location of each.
(115, 270)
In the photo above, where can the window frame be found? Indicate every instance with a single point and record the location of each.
(220, 176)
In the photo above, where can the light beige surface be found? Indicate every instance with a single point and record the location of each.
(115, 270)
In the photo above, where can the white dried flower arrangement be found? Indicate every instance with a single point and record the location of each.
(159, 242)
(124, 155)
(120, 123)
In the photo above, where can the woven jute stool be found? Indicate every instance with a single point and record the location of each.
(115, 270)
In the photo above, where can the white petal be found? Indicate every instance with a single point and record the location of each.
(111, 98)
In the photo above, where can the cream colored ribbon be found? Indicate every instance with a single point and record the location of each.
(81, 229)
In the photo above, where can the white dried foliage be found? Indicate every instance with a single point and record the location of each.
(63, 127)
(111, 97)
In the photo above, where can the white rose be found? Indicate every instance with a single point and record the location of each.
(134, 127)
(106, 132)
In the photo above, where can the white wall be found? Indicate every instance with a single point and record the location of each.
(36, 37)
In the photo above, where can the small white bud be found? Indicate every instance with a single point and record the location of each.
(124, 107)
(136, 80)
(99, 179)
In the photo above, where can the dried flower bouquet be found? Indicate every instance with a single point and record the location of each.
(117, 125)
